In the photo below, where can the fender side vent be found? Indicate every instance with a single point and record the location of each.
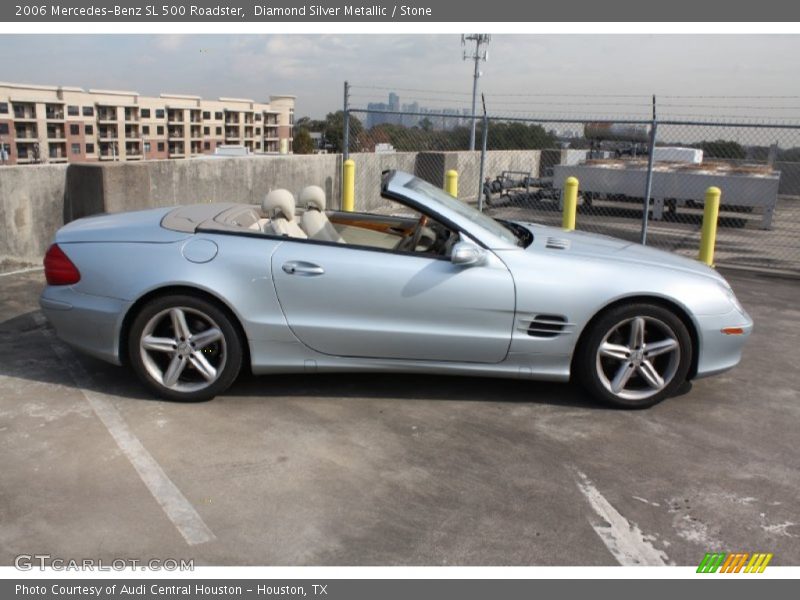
(556, 243)
(547, 326)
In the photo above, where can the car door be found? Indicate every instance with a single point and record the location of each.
(348, 301)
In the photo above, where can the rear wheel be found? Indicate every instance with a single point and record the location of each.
(635, 355)
(184, 348)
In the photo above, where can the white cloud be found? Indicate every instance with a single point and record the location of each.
(314, 67)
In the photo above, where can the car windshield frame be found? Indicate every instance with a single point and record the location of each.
(436, 198)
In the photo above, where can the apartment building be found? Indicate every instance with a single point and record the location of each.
(58, 124)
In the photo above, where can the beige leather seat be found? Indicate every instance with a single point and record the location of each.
(314, 220)
(279, 207)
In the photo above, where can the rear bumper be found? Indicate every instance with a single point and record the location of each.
(89, 323)
(720, 351)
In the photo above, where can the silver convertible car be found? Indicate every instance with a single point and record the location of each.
(426, 284)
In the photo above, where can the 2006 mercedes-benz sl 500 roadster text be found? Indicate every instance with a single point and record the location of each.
(423, 284)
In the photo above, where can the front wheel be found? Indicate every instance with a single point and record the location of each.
(634, 355)
(184, 348)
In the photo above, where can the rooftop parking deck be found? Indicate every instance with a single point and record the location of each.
(373, 469)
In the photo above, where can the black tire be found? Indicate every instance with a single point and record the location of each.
(614, 329)
(156, 321)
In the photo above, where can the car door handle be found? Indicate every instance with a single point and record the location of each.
(299, 267)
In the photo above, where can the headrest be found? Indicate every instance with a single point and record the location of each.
(280, 201)
(313, 196)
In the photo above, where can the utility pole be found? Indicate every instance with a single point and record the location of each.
(345, 123)
(480, 53)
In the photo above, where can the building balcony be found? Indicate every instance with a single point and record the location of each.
(57, 152)
(54, 115)
(106, 117)
(26, 139)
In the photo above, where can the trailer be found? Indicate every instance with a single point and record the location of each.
(753, 186)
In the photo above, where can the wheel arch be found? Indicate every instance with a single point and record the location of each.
(171, 290)
(671, 305)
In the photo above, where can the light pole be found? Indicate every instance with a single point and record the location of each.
(480, 53)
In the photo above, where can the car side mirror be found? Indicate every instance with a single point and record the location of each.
(465, 254)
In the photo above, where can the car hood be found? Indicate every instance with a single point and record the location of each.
(602, 247)
(138, 226)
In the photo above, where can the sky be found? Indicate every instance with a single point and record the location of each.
(549, 75)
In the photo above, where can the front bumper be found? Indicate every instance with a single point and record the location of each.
(89, 323)
(721, 351)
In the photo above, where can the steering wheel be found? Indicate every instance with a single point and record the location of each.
(417, 235)
(409, 242)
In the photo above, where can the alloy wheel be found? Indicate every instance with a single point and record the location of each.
(637, 358)
(183, 349)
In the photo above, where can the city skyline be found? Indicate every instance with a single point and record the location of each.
(314, 67)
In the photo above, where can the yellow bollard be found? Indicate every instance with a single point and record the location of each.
(451, 183)
(708, 238)
(570, 195)
(349, 186)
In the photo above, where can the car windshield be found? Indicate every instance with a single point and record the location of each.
(433, 193)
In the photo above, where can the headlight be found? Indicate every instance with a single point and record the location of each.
(731, 296)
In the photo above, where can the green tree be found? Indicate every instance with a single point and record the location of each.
(303, 144)
(310, 124)
(790, 155)
(333, 132)
(722, 149)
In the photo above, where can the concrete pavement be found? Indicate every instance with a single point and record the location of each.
(411, 470)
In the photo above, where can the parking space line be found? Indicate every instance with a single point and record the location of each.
(175, 505)
(623, 539)
(20, 271)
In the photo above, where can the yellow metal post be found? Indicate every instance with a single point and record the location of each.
(451, 183)
(708, 238)
(349, 186)
(570, 203)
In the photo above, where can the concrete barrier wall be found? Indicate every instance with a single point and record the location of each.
(432, 166)
(369, 168)
(117, 187)
(36, 200)
(31, 210)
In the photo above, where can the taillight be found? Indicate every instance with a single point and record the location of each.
(58, 268)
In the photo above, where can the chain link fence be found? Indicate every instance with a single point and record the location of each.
(520, 163)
